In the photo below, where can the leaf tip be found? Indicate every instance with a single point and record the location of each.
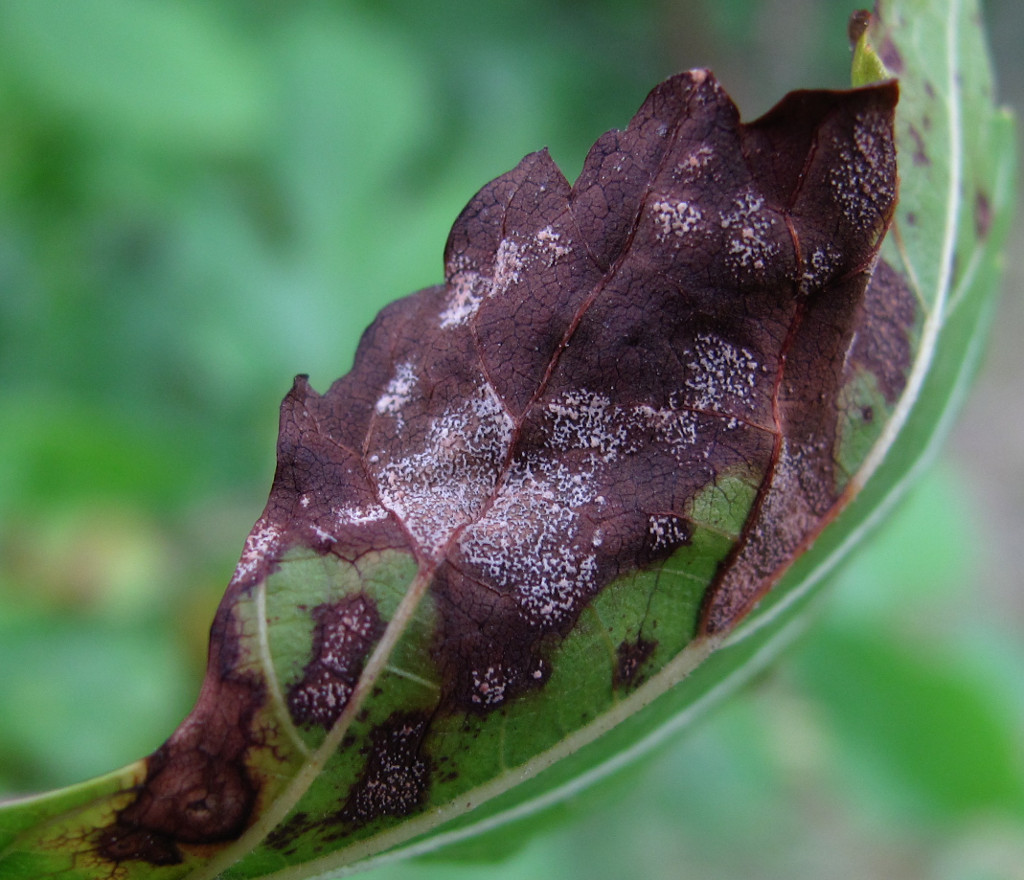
(868, 66)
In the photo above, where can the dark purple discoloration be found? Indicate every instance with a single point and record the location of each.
(396, 776)
(197, 789)
(920, 156)
(982, 215)
(630, 656)
(345, 633)
(541, 424)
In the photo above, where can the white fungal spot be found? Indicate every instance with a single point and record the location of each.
(861, 180)
(820, 266)
(691, 165)
(358, 516)
(262, 542)
(445, 484)
(489, 686)
(550, 240)
(587, 420)
(675, 217)
(721, 373)
(325, 536)
(676, 429)
(666, 531)
(466, 290)
(398, 391)
(508, 262)
(528, 541)
(749, 245)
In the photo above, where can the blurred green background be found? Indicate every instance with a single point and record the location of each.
(200, 200)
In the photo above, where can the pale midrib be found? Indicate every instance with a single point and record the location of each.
(311, 768)
(671, 674)
(270, 672)
(360, 857)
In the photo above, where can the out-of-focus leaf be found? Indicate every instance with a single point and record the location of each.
(566, 480)
(52, 671)
(912, 718)
(169, 73)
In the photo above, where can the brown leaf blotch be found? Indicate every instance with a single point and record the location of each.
(857, 26)
(344, 633)
(982, 215)
(598, 355)
(395, 780)
(545, 422)
(630, 656)
(198, 788)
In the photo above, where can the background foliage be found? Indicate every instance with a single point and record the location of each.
(198, 201)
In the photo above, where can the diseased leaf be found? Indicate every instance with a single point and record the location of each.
(588, 466)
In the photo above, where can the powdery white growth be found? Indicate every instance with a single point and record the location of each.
(691, 165)
(261, 543)
(550, 240)
(398, 391)
(676, 428)
(323, 535)
(440, 487)
(722, 372)
(860, 180)
(508, 262)
(749, 225)
(344, 633)
(675, 217)
(529, 540)
(666, 530)
(588, 420)
(489, 685)
(820, 266)
(357, 516)
(467, 289)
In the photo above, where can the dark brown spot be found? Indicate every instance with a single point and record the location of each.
(883, 348)
(396, 776)
(630, 656)
(891, 57)
(982, 215)
(120, 844)
(343, 636)
(197, 788)
(283, 837)
(920, 156)
(857, 26)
